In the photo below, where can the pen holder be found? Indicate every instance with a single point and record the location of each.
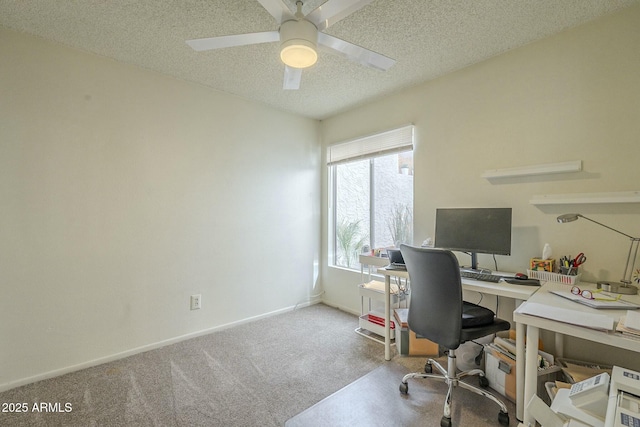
(568, 271)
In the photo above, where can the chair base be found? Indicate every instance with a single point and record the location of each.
(453, 379)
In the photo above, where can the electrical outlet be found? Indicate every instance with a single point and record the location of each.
(196, 302)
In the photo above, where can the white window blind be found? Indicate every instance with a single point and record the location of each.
(388, 142)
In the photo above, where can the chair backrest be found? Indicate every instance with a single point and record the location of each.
(435, 310)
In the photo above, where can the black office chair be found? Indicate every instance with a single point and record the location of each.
(438, 313)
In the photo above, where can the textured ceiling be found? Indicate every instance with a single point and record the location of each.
(428, 38)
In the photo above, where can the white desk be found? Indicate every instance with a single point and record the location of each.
(502, 289)
(534, 324)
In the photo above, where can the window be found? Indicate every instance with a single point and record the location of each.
(371, 194)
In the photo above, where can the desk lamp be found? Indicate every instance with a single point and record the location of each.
(625, 287)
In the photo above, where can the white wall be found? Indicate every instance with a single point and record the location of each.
(123, 192)
(575, 96)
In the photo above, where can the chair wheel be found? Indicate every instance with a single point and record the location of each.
(483, 381)
(404, 388)
(503, 418)
(445, 422)
(428, 369)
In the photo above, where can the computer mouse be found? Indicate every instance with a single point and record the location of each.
(521, 276)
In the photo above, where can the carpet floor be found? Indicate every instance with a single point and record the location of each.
(293, 366)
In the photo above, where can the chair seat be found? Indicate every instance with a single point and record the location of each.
(479, 321)
(475, 315)
(468, 334)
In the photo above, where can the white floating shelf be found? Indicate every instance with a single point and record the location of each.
(544, 169)
(585, 198)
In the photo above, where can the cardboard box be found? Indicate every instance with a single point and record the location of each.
(419, 346)
(407, 342)
(500, 370)
(577, 370)
(542, 264)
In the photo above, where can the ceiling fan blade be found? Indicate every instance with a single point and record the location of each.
(278, 9)
(333, 11)
(356, 53)
(292, 77)
(233, 40)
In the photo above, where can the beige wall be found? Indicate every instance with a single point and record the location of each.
(575, 96)
(123, 192)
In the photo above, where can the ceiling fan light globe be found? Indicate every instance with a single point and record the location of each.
(298, 54)
(299, 41)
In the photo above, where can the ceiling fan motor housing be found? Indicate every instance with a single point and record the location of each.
(298, 43)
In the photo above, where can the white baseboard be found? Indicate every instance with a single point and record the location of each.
(341, 307)
(117, 356)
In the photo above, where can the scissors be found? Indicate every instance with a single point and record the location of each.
(579, 260)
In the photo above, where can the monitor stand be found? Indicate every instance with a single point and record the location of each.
(474, 266)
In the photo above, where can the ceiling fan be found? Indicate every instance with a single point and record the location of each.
(299, 37)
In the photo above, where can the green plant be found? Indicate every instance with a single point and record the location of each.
(349, 239)
(400, 224)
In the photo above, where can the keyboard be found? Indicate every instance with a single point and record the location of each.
(480, 276)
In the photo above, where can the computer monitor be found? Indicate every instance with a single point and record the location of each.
(474, 230)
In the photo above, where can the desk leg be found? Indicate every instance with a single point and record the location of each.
(520, 366)
(531, 372)
(559, 340)
(387, 317)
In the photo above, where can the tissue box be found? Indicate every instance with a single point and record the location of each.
(542, 264)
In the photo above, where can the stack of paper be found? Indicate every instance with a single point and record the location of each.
(374, 285)
(497, 345)
(629, 325)
(506, 343)
(608, 301)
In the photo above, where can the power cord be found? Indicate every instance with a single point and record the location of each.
(295, 307)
